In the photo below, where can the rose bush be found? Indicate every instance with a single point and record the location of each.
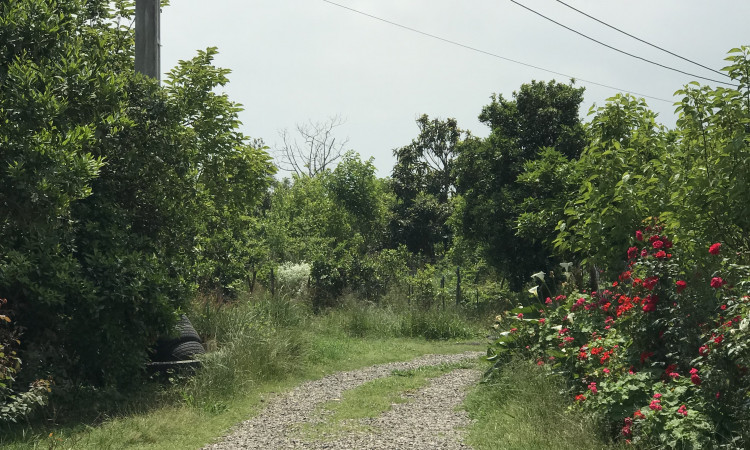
(661, 354)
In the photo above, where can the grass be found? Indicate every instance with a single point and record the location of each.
(522, 408)
(371, 400)
(262, 348)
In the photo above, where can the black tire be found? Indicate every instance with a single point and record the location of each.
(186, 331)
(186, 350)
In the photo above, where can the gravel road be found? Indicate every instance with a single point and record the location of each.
(429, 420)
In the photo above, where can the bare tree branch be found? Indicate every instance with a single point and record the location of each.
(314, 148)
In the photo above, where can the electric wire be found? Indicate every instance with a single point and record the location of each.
(621, 51)
(494, 55)
(642, 40)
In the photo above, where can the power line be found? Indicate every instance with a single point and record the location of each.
(641, 40)
(468, 47)
(621, 51)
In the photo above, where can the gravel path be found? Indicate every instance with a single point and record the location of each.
(428, 421)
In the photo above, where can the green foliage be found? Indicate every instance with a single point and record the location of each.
(423, 181)
(519, 177)
(623, 180)
(654, 354)
(712, 162)
(693, 178)
(253, 344)
(118, 196)
(14, 404)
(355, 189)
(524, 406)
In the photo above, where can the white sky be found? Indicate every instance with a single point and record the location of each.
(299, 60)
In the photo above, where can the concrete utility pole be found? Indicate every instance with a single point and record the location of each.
(147, 41)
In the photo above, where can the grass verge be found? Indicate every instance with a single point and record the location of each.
(262, 348)
(523, 408)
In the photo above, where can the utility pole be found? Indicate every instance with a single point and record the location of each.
(147, 41)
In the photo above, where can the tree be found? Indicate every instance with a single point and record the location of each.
(423, 182)
(318, 150)
(117, 195)
(497, 201)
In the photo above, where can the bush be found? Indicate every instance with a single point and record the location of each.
(660, 353)
(15, 404)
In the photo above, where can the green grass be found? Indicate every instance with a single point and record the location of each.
(371, 400)
(522, 408)
(263, 348)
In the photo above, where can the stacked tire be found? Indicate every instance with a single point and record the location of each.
(183, 346)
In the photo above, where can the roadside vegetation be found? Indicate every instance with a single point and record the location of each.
(263, 346)
(614, 253)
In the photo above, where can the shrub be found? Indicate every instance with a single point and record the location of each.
(293, 278)
(658, 352)
(15, 404)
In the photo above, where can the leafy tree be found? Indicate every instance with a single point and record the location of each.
(623, 181)
(507, 180)
(116, 195)
(423, 182)
(355, 188)
(710, 167)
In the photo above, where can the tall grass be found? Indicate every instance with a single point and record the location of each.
(524, 407)
(256, 344)
(254, 341)
(364, 319)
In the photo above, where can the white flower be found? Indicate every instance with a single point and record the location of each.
(566, 266)
(534, 291)
(539, 275)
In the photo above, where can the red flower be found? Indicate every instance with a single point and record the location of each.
(520, 315)
(580, 398)
(639, 235)
(638, 415)
(681, 285)
(592, 387)
(661, 254)
(714, 249)
(657, 244)
(650, 282)
(632, 252)
(694, 377)
(683, 410)
(717, 282)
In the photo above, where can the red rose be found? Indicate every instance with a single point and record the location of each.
(661, 254)
(657, 244)
(681, 285)
(639, 235)
(717, 282)
(714, 249)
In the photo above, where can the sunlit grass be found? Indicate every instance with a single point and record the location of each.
(522, 408)
(264, 348)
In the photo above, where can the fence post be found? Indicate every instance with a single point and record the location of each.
(442, 290)
(458, 286)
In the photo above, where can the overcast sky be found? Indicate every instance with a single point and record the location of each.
(299, 60)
